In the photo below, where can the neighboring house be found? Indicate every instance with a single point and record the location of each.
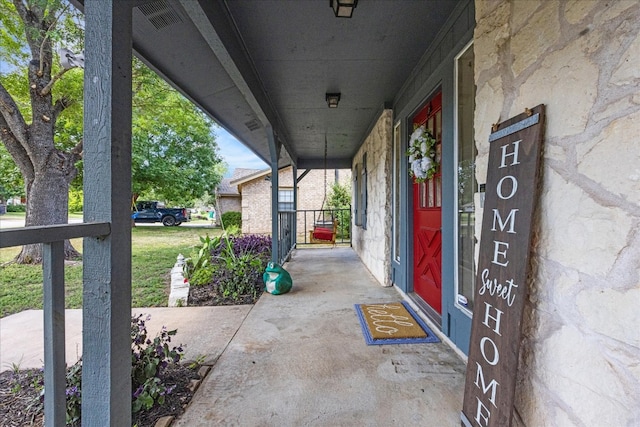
(227, 195)
(255, 193)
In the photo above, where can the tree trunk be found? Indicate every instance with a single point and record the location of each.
(47, 204)
(47, 171)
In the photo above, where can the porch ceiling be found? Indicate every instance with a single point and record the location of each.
(256, 63)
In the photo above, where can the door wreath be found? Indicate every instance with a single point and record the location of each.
(423, 157)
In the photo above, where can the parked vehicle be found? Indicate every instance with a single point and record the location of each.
(157, 212)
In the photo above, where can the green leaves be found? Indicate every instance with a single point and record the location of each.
(339, 198)
(11, 183)
(174, 149)
(148, 358)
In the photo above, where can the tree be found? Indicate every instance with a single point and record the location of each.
(11, 183)
(174, 154)
(47, 163)
(339, 198)
(174, 151)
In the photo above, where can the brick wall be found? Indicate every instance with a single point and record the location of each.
(256, 197)
(227, 204)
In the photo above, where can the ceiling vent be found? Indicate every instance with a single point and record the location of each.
(252, 125)
(160, 14)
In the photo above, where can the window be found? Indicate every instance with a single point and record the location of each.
(466, 182)
(360, 193)
(363, 192)
(356, 195)
(397, 158)
(285, 200)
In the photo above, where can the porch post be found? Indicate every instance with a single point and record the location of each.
(294, 225)
(106, 339)
(274, 151)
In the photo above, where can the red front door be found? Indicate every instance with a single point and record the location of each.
(427, 218)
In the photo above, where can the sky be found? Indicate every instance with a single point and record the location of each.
(235, 154)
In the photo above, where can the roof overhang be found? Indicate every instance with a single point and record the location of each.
(262, 66)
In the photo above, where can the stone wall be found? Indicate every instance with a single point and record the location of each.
(373, 244)
(581, 346)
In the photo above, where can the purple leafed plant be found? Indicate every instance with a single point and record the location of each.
(240, 262)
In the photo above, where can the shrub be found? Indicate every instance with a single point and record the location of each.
(202, 276)
(242, 260)
(233, 265)
(148, 359)
(16, 208)
(200, 258)
(339, 197)
(75, 200)
(231, 218)
(233, 230)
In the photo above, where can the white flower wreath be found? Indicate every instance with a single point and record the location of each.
(423, 161)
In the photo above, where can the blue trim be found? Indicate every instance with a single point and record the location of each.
(436, 69)
(430, 338)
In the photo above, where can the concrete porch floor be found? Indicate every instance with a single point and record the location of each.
(300, 359)
(297, 359)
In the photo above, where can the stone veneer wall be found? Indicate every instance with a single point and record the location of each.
(373, 245)
(579, 364)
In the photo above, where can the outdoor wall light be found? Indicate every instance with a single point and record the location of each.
(333, 99)
(343, 8)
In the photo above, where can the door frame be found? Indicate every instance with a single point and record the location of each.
(432, 314)
(453, 324)
(430, 216)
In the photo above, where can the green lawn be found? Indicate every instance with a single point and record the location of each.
(154, 252)
(12, 215)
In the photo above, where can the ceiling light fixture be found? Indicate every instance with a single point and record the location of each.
(333, 99)
(343, 8)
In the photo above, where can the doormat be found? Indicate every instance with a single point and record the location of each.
(393, 323)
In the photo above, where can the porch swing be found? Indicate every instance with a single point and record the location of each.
(324, 230)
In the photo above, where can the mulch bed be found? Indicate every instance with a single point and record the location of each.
(21, 405)
(207, 295)
(19, 400)
(175, 402)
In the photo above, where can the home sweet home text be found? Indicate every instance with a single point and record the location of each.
(503, 267)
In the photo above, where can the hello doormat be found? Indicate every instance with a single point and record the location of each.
(393, 323)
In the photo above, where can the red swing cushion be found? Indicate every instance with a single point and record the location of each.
(323, 233)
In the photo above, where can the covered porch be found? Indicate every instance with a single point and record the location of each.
(300, 358)
(266, 71)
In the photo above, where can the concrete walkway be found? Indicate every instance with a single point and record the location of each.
(206, 331)
(297, 359)
(300, 359)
